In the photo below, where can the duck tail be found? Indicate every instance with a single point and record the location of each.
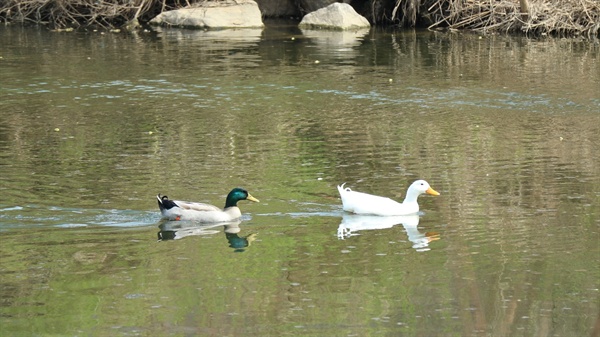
(164, 203)
(343, 189)
(160, 204)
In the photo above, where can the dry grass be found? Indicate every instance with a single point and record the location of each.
(64, 13)
(561, 17)
(82, 13)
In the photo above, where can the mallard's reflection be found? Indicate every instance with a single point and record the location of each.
(175, 230)
(239, 243)
(352, 223)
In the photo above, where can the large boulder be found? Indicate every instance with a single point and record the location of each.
(228, 14)
(339, 16)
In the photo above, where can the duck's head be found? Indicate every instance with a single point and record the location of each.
(236, 195)
(422, 187)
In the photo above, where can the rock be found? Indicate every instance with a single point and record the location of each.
(228, 14)
(307, 6)
(278, 8)
(335, 16)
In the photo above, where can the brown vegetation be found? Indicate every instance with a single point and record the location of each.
(563, 17)
(81, 13)
(536, 17)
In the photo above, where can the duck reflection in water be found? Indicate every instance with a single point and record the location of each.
(238, 243)
(352, 223)
(175, 230)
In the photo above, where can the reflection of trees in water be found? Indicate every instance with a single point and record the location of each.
(505, 140)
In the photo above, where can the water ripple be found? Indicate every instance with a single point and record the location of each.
(35, 216)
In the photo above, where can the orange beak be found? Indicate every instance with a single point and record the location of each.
(432, 191)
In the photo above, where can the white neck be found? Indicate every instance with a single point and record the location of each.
(411, 196)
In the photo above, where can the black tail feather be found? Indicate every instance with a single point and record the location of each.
(164, 202)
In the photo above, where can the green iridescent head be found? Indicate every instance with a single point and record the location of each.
(236, 195)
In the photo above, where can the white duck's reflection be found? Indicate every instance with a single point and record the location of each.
(176, 230)
(352, 223)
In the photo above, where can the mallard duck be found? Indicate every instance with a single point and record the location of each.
(363, 203)
(196, 211)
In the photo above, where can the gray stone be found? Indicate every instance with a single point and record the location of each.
(335, 16)
(230, 14)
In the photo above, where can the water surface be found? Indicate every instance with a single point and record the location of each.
(95, 125)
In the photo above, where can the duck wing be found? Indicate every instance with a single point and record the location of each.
(196, 206)
(165, 204)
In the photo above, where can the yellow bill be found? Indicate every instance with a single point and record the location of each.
(432, 191)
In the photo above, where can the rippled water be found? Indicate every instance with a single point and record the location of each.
(94, 125)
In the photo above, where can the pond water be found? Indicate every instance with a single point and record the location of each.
(94, 125)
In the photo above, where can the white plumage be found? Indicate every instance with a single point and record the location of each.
(363, 203)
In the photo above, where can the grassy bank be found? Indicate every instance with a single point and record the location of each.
(533, 17)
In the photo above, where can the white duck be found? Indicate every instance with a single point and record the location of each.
(363, 203)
